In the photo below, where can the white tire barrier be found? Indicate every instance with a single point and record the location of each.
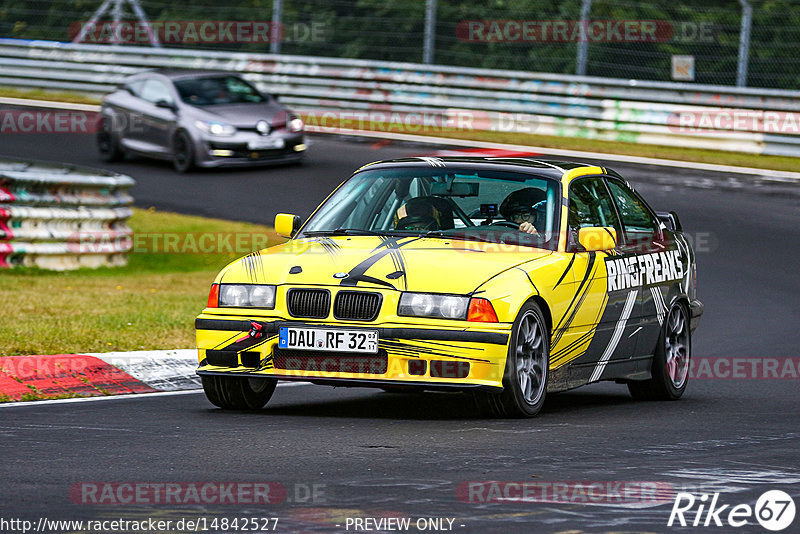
(62, 217)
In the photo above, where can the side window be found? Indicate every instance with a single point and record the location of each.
(590, 205)
(640, 226)
(153, 91)
(241, 92)
(135, 88)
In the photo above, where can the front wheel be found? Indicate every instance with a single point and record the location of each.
(238, 393)
(108, 143)
(526, 372)
(182, 152)
(670, 371)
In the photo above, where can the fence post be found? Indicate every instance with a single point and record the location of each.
(744, 43)
(583, 41)
(276, 27)
(430, 31)
(117, 13)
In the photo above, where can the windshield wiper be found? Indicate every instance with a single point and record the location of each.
(390, 233)
(344, 231)
(435, 233)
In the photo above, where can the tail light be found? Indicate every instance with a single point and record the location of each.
(213, 297)
(481, 310)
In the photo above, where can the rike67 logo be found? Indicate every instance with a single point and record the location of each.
(774, 510)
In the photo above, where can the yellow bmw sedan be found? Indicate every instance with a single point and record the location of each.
(504, 277)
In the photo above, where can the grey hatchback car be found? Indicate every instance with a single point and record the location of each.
(198, 119)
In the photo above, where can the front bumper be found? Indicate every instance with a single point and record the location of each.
(234, 152)
(432, 357)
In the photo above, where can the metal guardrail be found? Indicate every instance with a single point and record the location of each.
(760, 121)
(62, 217)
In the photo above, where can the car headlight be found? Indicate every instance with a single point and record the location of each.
(296, 124)
(246, 296)
(433, 305)
(216, 128)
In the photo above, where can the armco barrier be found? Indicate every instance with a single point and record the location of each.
(62, 217)
(760, 121)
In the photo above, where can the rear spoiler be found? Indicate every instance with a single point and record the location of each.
(671, 220)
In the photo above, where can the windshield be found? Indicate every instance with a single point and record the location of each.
(217, 90)
(492, 206)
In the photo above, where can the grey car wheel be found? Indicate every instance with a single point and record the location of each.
(182, 152)
(108, 144)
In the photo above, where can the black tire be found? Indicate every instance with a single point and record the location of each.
(670, 368)
(182, 152)
(530, 340)
(108, 143)
(238, 393)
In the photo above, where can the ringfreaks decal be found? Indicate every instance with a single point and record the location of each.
(647, 269)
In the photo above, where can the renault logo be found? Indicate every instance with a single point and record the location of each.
(340, 275)
(262, 127)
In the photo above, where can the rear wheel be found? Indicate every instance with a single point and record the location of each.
(238, 393)
(182, 152)
(526, 372)
(671, 361)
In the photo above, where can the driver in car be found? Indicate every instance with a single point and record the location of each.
(418, 214)
(525, 207)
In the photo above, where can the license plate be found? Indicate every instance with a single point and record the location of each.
(328, 339)
(269, 142)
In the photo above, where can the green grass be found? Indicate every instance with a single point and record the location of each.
(720, 157)
(149, 304)
(45, 94)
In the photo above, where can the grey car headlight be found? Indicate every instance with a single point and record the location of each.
(247, 296)
(296, 124)
(433, 305)
(216, 128)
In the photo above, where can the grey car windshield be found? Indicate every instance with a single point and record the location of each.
(482, 205)
(215, 90)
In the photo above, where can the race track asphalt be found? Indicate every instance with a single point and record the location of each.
(375, 454)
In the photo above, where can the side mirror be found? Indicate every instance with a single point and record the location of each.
(594, 238)
(671, 220)
(166, 105)
(287, 224)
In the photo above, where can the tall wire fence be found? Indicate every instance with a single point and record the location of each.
(663, 40)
